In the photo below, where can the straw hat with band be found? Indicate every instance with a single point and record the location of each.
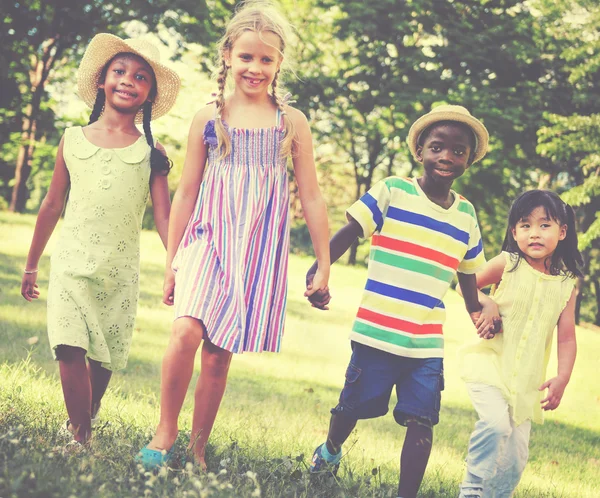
(103, 48)
(449, 113)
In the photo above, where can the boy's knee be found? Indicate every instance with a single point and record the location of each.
(187, 333)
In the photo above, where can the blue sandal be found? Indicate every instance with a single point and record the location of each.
(154, 459)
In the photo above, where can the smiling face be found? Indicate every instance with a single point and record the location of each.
(538, 235)
(129, 82)
(254, 61)
(445, 152)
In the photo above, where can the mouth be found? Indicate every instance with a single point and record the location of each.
(125, 94)
(536, 246)
(444, 171)
(253, 81)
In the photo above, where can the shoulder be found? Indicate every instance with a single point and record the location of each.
(160, 147)
(297, 117)
(204, 115)
(465, 206)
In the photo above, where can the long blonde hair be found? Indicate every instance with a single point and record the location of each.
(257, 16)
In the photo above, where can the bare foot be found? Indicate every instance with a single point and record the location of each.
(162, 441)
(200, 462)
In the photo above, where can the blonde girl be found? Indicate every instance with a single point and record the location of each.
(229, 230)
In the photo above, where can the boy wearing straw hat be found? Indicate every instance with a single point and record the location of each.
(422, 235)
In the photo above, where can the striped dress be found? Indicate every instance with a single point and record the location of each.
(231, 264)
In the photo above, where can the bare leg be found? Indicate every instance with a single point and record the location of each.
(415, 455)
(340, 428)
(207, 399)
(99, 379)
(177, 369)
(77, 390)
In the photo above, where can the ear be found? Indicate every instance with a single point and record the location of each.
(419, 153)
(101, 85)
(514, 233)
(227, 58)
(563, 232)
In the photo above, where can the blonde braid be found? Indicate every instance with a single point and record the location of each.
(287, 144)
(222, 135)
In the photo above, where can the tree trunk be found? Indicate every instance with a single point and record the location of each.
(23, 166)
(38, 77)
(579, 294)
(597, 289)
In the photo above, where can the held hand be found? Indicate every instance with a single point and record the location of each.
(556, 388)
(487, 321)
(29, 289)
(169, 288)
(318, 297)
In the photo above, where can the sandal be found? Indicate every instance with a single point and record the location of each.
(154, 459)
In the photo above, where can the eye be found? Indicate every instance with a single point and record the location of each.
(245, 57)
(525, 225)
(119, 71)
(459, 152)
(545, 225)
(267, 60)
(436, 148)
(140, 77)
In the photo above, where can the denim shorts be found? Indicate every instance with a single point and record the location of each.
(371, 376)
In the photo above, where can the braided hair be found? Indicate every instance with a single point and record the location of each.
(159, 162)
(287, 144)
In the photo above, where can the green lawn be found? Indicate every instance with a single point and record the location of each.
(275, 410)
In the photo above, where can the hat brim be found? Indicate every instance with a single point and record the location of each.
(424, 122)
(102, 49)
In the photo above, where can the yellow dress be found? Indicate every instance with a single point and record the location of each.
(515, 361)
(94, 277)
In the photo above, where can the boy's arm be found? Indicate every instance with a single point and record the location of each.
(468, 286)
(567, 351)
(340, 243)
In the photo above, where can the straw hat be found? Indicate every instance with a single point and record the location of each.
(103, 48)
(449, 113)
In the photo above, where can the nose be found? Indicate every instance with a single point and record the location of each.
(254, 68)
(126, 80)
(445, 156)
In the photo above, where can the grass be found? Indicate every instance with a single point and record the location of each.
(275, 410)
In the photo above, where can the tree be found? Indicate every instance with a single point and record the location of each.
(570, 140)
(39, 37)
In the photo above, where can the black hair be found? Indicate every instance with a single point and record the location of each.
(566, 259)
(465, 127)
(159, 162)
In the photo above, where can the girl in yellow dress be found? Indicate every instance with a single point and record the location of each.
(535, 276)
(107, 168)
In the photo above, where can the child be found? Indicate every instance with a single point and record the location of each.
(229, 230)
(107, 168)
(535, 275)
(422, 233)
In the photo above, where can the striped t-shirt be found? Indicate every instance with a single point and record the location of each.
(416, 249)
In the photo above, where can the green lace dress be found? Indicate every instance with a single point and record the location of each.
(94, 276)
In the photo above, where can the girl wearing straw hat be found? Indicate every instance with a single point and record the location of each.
(107, 168)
